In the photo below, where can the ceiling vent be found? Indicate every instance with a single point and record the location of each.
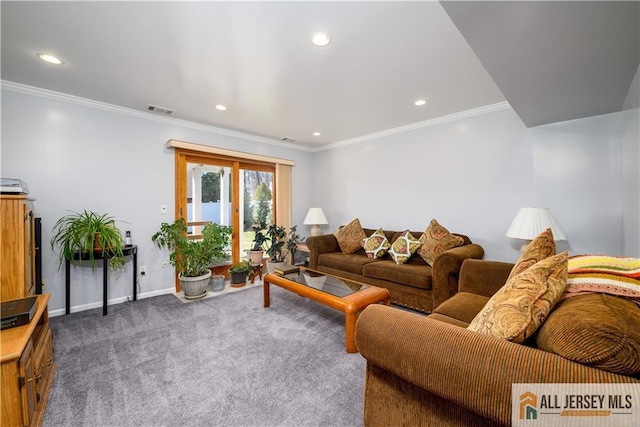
(160, 110)
(287, 139)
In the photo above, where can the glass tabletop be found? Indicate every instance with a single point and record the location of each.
(323, 282)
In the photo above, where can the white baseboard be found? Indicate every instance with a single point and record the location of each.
(114, 301)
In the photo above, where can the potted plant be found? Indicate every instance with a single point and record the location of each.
(88, 233)
(282, 245)
(217, 282)
(238, 273)
(259, 239)
(191, 258)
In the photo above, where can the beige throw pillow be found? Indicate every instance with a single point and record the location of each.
(521, 305)
(543, 246)
(435, 240)
(350, 236)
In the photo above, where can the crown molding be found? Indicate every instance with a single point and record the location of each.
(90, 103)
(419, 125)
(72, 99)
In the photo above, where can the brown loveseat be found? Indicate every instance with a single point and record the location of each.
(430, 370)
(415, 285)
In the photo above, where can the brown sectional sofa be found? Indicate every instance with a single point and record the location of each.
(415, 285)
(431, 370)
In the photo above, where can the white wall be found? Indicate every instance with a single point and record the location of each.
(473, 174)
(76, 157)
(631, 170)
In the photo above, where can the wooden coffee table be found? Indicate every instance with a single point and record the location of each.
(341, 294)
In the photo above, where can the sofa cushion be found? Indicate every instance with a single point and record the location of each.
(350, 236)
(436, 239)
(463, 306)
(376, 245)
(597, 330)
(417, 275)
(351, 263)
(404, 247)
(521, 305)
(447, 319)
(541, 247)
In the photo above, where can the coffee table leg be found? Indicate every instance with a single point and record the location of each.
(350, 328)
(265, 287)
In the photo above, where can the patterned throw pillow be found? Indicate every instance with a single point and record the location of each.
(437, 239)
(350, 236)
(543, 246)
(377, 245)
(521, 305)
(404, 247)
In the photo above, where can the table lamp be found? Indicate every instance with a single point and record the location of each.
(530, 222)
(315, 217)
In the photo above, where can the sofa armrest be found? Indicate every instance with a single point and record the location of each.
(446, 270)
(321, 244)
(469, 369)
(483, 277)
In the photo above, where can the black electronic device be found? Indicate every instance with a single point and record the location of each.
(17, 312)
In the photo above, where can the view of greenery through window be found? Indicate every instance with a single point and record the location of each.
(258, 198)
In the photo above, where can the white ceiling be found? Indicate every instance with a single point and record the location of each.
(257, 59)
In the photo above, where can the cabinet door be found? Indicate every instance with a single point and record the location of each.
(26, 369)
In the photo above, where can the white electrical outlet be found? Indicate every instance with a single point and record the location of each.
(142, 270)
(163, 209)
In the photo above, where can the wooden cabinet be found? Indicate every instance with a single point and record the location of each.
(27, 369)
(17, 247)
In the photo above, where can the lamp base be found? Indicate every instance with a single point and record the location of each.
(525, 245)
(316, 230)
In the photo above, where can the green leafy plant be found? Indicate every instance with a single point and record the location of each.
(282, 243)
(192, 258)
(88, 233)
(259, 238)
(240, 267)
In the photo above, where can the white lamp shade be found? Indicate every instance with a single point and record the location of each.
(530, 222)
(315, 216)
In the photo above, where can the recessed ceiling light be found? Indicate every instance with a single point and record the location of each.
(316, 134)
(419, 102)
(50, 59)
(321, 39)
(221, 107)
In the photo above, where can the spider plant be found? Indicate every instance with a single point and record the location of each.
(88, 233)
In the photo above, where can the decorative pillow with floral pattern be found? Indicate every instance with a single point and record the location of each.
(516, 311)
(404, 247)
(376, 245)
(435, 240)
(543, 246)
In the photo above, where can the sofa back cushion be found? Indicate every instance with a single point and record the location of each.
(597, 330)
(463, 307)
